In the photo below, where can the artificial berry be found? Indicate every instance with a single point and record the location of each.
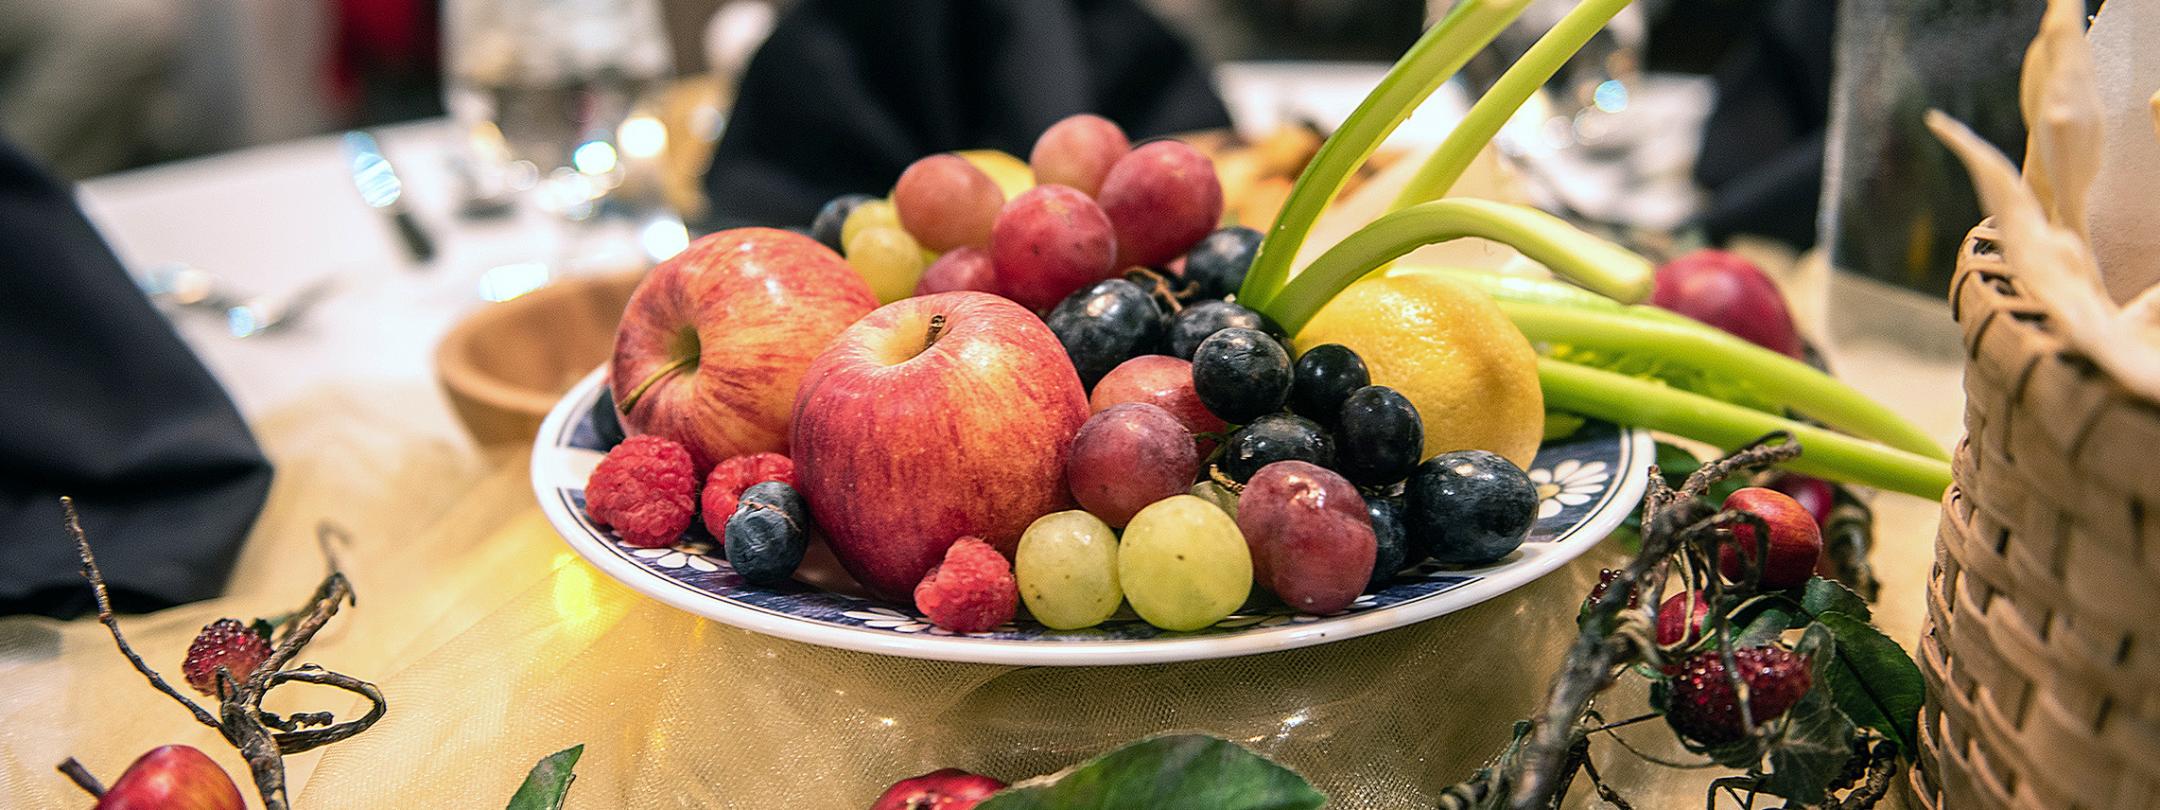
(1677, 622)
(1704, 708)
(944, 789)
(1795, 540)
(225, 643)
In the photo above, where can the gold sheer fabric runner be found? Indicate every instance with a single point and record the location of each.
(495, 646)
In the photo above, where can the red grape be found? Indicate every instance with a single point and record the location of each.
(1728, 292)
(945, 202)
(1128, 457)
(1311, 538)
(1078, 151)
(962, 268)
(1048, 242)
(1163, 198)
(1164, 382)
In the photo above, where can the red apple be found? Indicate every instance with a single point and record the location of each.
(714, 341)
(944, 789)
(932, 419)
(172, 777)
(1795, 540)
(1164, 382)
(1731, 293)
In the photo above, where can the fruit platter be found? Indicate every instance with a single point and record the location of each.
(1067, 410)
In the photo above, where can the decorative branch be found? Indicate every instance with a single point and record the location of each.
(105, 615)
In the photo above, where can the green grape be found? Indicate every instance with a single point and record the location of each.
(873, 214)
(888, 259)
(1184, 564)
(1067, 567)
(1218, 495)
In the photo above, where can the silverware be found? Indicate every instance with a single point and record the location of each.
(189, 287)
(381, 189)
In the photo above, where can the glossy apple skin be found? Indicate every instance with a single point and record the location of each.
(1164, 382)
(943, 789)
(1795, 540)
(172, 777)
(756, 305)
(902, 449)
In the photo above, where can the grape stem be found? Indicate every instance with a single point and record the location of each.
(1620, 398)
(1446, 164)
(1787, 381)
(1594, 263)
(1436, 56)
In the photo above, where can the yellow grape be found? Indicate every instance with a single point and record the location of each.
(872, 214)
(888, 259)
(1067, 568)
(1183, 564)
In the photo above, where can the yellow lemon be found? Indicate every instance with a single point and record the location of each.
(1011, 174)
(1450, 350)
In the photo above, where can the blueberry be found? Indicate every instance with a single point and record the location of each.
(826, 227)
(1380, 434)
(1273, 438)
(1469, 507)
(1241, 374)
(1391, 550)
(1194, 324)
(605, 423)
(765, 543)
(1323, 377)
(1219, 262)
(1104, 325)
(777, 495)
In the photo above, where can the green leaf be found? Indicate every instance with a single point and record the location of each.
(1872, 680)
(1178, 770)
(1822, 596)
(548, 781)
(1811, 752)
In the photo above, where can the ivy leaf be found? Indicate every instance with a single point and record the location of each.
(1872, 680)
(548, 781)
(1822, 596)
(1178, 770)
(1811, 752)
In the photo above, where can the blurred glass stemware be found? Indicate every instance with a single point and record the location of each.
(552, 102)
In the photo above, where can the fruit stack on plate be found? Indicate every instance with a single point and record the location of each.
(1012, 384)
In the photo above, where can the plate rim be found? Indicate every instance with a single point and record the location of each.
(1543, 558)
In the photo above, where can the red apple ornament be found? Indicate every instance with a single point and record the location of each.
(714, 341)
(172, 777)
(1795, 540)
(932, 419)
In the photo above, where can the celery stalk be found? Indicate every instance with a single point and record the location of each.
(1603, 267)
(1795, 384)
(1536, 67)
(1630, 401)
(1435, 57)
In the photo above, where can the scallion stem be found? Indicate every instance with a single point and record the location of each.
(1630, 401)
(1430, 62)
(1536, 67)
(1601, 266)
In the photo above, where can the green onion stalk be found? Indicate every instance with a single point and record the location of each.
(1645, 403)
(1429, 63)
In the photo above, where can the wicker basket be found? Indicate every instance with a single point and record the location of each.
(2042, 647)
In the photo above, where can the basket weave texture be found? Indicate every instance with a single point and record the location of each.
(2042, 645)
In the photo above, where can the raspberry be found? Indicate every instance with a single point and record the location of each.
(724, 486)
(646, 490)
(971, 591)
(1703, 707)
(225, 643)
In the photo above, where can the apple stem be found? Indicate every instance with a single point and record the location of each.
(631, 401)
(937, 325)
(82, 777)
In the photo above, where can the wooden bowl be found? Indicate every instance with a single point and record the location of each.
(506, 365)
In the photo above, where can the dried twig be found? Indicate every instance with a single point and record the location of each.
(263, 738)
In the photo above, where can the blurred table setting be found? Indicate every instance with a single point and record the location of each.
(392, 311)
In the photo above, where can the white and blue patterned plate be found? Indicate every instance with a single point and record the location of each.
(1588, 482)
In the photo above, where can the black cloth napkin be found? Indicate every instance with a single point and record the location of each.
(101, 401)
(846, 93)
